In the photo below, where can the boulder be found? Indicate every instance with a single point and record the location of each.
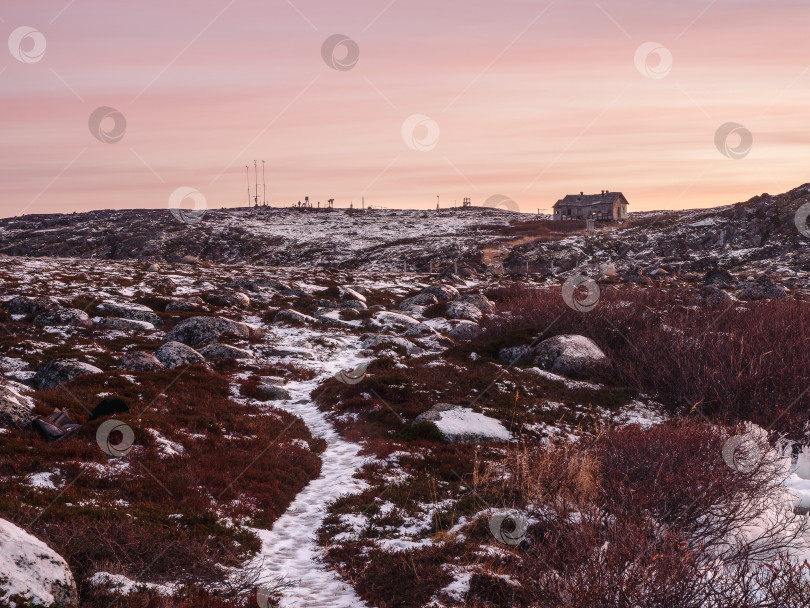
(761, 288)
(461, 329)
(123, 324)
(464, 310)
(130, 310)
(24, 305)
(480, 301)
(515, 354)
(139, 361)
(273, 392)
(224, 351)
(719, 277)
(569, 354)
(190, 259)
(712, 295)
(176, 354)
(201, 330)
(422, 299)
(371, 340)
(163, 285)
(461, 424)
(352, 305)
(188, 305)
(443, 293)
(229, 298)
(293, 316)
(392, 320)
(350, 294)
(59, 371)
(31, 572)
(153, 268)
(16, 410)
(72, 317)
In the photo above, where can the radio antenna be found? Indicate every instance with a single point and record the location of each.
(264, 187)
(247, 174)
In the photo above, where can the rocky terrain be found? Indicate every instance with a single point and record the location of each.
(404, 408)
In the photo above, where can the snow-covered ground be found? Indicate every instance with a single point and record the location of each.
(289, 550)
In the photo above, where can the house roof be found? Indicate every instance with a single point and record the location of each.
(587, 200)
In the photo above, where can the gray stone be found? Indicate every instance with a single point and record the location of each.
(201, 330)
(516, 354)
(59, 371)
(224, 351)
(720, 277)
(163, 285)
(569, 354)
(56, 317)
(229, 298)
(176, 354)
(463, 310)
(353, 305)
(33, 572)
(274, 393)
(130, 310)
(761, 288)
(16, 410)
(350, 294)
(24, 305)
(460, 424)
(461, 329)
(443, 293)
(139, 361)
(123, 324)
(371, 340)
(293, 316)
(422, 299)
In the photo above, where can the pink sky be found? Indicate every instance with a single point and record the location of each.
(531, 99)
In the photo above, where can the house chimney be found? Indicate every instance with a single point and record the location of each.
(603, 193)
(582, 194)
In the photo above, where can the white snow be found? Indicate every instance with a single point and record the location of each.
(126, 586)
(459, 422)
(289, 549)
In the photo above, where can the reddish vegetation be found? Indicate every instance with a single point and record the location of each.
(239, 463)
(747, 361)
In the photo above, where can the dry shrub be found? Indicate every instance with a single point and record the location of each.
(743, 362)
(653, 518)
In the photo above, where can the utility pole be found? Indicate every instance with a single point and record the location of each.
(264, 187)
(437, 202)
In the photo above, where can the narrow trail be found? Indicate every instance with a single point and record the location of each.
(289, 549)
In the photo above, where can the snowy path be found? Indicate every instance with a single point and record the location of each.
(289, 549)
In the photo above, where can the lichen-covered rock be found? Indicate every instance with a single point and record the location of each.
(516, 354)
(164, 285)
(236, 299)
(463, 310)
(129, 310)
(176, 354)
(59, 371)
(762, 288)
(293, 316)
(31, 572)
(64, 317)
(224, 351)
(569, 355)
(443, 293)
(201, 330)
(372, 340)
(422, 299)
(720, 277)
(139, 361)
(273, 392)
(123, 324)
(24, 305)
(461, 329)
(16, 410)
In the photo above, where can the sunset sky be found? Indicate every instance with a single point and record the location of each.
(527, 99)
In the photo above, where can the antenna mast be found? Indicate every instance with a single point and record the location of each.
(256, 175)
(247, 174)
(264, 187)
